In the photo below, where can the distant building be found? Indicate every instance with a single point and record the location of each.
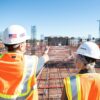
(33, 32)
(89, 37)
(57, 41)
(33, 39)
(0, 36)
(74, 42)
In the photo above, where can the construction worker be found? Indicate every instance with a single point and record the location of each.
(86, 84)
(17, 70)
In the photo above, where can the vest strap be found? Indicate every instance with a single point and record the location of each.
(73, 89)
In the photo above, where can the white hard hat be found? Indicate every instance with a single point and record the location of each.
(89, 49)
(14, 34)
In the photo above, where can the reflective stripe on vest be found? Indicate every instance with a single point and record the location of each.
(72, 85)
(24, 88)
(83, 87)
(21, 96)
(6, 97)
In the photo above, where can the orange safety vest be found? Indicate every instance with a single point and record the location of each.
(83, 87)
(17, 80)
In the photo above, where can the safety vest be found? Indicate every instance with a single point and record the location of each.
(83, 87)
(17, 77)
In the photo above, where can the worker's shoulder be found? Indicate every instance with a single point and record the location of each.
(94, 74)
(31, 57)
(90, 76)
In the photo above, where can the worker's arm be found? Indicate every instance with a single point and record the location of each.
(43, 59)
(64, 96)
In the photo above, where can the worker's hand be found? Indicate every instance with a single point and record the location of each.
(46, 50)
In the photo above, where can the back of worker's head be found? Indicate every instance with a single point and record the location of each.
(13, 36)
(88, 52)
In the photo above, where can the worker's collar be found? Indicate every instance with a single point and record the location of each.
(83, 71)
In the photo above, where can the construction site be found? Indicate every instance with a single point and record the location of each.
(60, 65)
(51, 76)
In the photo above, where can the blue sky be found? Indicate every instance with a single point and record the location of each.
(76, 18)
